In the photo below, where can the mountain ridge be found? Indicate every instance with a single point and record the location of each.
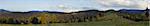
(121, 10)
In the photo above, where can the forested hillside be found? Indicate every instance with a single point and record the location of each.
(60, 17)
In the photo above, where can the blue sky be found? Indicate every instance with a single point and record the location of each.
(71, 5)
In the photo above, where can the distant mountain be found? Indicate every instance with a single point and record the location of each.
(2, 10)
(122, 11)
(131, 11)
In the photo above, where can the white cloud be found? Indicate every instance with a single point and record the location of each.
(148, 3)
(139, 4)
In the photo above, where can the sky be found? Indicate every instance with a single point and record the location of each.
(72, 5)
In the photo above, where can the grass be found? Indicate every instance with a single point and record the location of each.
(102, 23)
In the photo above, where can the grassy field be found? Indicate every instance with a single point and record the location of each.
(102, 23)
